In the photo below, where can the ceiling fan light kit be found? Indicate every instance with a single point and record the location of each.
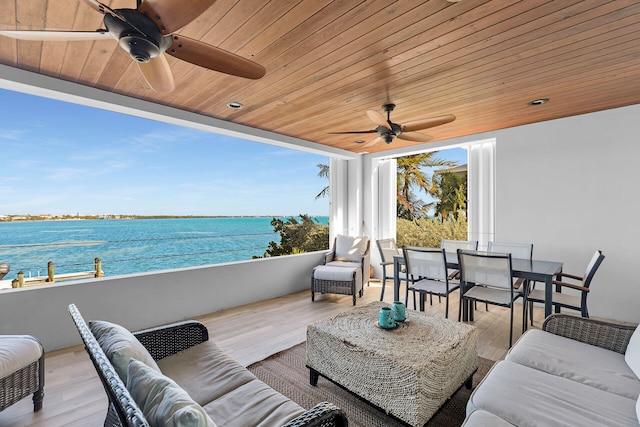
(144, 33)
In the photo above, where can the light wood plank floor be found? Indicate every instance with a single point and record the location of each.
(74, 395)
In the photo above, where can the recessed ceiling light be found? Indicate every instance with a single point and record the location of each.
(359, 141)
(235, 105)
(453, 1)
(539, 101)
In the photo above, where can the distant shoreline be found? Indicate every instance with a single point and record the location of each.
(27, 218)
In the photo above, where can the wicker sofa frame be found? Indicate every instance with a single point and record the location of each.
(162, 342)
(23, 382)
(601, 333)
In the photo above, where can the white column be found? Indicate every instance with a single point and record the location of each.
(380, 205)
(481, 192)
(347, 197)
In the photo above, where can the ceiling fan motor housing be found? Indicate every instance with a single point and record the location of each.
(137, 34)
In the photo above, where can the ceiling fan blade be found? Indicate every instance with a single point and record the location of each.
(158, 74)
(427, 123)
(355, 131)
(378, 118)
(216, 59)
(415, 137)
(171, 15)
(57, 35)
(372, 142)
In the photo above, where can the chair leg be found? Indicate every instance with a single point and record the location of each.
(406, 295)
(384, 282)
(446, 309)
(531, 313)
(511, 327)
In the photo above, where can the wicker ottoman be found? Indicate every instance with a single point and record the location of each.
(408, 372)
(328, 279)
(21, 370)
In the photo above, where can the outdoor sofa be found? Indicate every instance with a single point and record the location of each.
(575, 371)
(175, 376)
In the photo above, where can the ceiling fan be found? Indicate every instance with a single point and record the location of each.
(146, 34)
(388, 131)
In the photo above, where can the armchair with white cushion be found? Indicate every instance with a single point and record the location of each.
(351, 252)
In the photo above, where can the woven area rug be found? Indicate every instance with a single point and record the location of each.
(286, 372)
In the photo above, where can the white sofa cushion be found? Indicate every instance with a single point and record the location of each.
(577, 361)
(224, 388)
(350, 248)
(482, 418)
(162, 401)
(345, 264)
(632, 355)
(525, 396)
(333, 273)
(17, 352)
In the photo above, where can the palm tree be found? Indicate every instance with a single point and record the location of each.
(323, 173)
(451, 193)
(410, 175)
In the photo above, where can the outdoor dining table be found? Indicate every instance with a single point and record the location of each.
(528, 269)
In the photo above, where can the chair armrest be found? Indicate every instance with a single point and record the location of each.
(386, 263)
(166, 340)
(571, 285)
(324, 414)
(606, 334)
(570, 276)
(329, 256)
(518, 283)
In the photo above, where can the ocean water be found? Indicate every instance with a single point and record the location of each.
(132, 245)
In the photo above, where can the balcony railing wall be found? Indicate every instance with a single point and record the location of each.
(139, 301)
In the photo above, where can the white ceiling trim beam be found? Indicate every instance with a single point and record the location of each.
(36, 84)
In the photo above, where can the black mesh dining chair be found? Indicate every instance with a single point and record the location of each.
(487, 277)
(427, 273)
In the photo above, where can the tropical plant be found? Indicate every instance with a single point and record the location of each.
(451, 192)
(411, 175)
(323, 173)
(305, 235)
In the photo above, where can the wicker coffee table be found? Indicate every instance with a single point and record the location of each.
(409, 372)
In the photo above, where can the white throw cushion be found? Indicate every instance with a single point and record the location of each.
(350, 248)
(638, 408)
(632, 355)
(162, 401)
(120, 346)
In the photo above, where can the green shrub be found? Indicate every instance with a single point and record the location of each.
(298, 236)
(429, 232)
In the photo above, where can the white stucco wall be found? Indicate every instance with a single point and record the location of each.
(139, 301)
(569, 186)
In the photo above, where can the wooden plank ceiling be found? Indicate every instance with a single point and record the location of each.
(328, 62)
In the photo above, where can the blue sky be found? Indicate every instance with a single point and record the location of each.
(60, 158)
